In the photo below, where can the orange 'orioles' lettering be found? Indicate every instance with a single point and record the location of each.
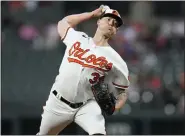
(90, 61)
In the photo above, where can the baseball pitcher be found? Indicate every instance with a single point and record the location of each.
(92, 79)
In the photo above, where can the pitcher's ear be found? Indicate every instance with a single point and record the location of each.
(98, 21)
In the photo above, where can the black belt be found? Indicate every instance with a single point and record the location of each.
(72, 105)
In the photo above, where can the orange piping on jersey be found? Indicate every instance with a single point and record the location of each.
(92, 61)
(122, 86)
(65, 33)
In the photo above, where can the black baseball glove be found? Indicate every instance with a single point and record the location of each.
(104, 98)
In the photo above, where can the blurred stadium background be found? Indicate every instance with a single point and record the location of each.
(151, 42)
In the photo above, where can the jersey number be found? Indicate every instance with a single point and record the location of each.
(95, 78)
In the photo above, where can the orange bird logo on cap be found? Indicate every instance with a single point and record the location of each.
(115, 12)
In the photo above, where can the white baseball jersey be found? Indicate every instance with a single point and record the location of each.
(83, 63)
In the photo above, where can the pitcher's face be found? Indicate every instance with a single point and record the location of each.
(108, 26)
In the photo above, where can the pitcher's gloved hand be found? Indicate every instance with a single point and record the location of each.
(104, 98)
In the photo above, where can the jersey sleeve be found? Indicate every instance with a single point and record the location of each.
(121, 82)
(71, 36)
(121, 79)
(121, 85)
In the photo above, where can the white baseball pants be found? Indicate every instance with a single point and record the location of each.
(57, 115)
